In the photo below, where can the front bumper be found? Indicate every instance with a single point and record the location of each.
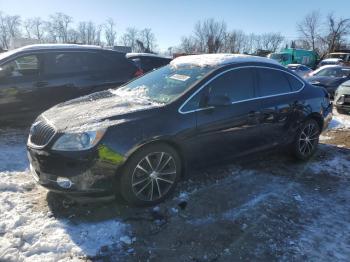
(90, 172)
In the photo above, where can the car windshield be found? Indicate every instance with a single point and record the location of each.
(332, 72)
(280, 57)
(165, 84)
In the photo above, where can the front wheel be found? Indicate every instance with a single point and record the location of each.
(150, 175)
(306, 141)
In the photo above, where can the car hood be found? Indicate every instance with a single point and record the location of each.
(325, 80)
(94, 111)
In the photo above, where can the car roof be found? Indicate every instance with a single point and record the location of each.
(132, 55)
(53, 47)
(218, 60)
(332, 60)
(57, 46)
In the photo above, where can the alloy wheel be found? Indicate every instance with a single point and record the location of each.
(308, 139)
(154, 176)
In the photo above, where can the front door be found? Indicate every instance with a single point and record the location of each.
(230, 129)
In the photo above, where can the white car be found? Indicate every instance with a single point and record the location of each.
(301, 70)
(331, 61)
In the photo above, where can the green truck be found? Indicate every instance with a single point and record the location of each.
(296, 56)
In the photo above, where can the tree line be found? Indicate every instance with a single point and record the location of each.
(60, 28)
(315, 32)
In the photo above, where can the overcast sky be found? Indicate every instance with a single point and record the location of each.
(170, 20)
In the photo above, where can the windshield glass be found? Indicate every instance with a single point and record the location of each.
(165, 84)
(332, 72)
(280, 57)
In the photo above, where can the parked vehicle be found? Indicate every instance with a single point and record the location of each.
(344, 56)
(329, 77)
(34, 78)
(331, 61)
(296, 56)
(138, 139)
(342, 98)
(301, 70)
(147, 62)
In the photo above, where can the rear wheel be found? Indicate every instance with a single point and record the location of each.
(150, 175)
(306, 141)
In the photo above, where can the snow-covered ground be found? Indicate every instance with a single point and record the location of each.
(28, 234)
(257, 210)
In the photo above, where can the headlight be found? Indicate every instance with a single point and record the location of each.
(78, 141)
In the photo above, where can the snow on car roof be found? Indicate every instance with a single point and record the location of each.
(129, 55)
(55, 46)
(218, 60)
(332, 60)
(47, 46)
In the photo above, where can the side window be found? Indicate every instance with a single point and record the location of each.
(273, 82)
(294, 83)
(237, 84)
(67, 63)
(21, 66)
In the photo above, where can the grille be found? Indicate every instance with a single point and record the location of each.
(41, 133)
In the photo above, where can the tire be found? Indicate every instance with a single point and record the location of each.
(306, 140)
(150, 175)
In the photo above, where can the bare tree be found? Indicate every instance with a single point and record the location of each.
(188, 45)
(129, 38)
(310, 28)
(9, 28)
(337, 30)
(27, 25)
(271, 41)
(235, 42)
(73, 36)
(146, 40)
(110, 32)
(59, 25)
(210, 35)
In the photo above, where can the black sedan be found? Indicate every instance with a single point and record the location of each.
(138, 139)
(329, 77)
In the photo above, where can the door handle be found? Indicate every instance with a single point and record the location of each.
(41, 83)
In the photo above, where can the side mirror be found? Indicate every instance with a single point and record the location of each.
(220, 100)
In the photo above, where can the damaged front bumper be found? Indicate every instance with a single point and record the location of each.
(90, 173)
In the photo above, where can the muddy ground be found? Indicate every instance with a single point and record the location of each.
(267, 207)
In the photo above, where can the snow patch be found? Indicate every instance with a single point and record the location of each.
(215, 60)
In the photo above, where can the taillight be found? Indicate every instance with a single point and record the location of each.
(138, 73)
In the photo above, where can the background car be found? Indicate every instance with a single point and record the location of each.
(300, 70)
(147, 62)
(329, 77)
(138, 139)
(34, 78)
(331, 61)
(342, 98)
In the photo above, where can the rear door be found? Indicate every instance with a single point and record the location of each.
(225, 131)
(18, 85)
(280, 100)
